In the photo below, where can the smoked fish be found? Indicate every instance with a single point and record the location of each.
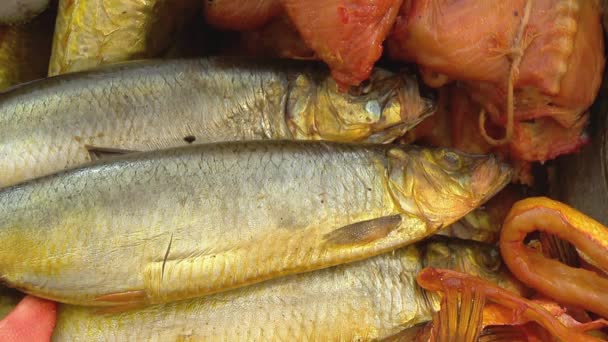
(368, 300)
(61, 122)
(172, 224)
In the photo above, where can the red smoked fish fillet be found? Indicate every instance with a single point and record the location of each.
(474, 42)
(347, 35)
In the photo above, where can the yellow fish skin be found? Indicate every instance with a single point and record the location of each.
(168, 225)
(367, 300)
(54, 124)
(90, 33)
(25, 50)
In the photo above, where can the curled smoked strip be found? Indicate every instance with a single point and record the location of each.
(567, 285)
(448, 281)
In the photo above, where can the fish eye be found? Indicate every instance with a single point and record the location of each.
(489, 260)
(374, 110)
(450, 160)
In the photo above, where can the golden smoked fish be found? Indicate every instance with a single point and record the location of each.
(90, 33)
(167, 225)
(61, 122)
(368, 300)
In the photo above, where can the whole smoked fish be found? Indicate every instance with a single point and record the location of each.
(173, 224)
(367, 300)
(61, 122)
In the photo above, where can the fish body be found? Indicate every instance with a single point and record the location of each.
(90, 33)
(50, 125)
(167, 225)
(367, 300)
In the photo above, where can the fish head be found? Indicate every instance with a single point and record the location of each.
(442, 185)
(379, 110)
(474, 258)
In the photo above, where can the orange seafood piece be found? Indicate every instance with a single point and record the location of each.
(462, 309)
(571, 286)
(240, 14)
(519, 59)
(347, 35)
(501, 323)
(496, 314)
(544, 139)
(465, 40)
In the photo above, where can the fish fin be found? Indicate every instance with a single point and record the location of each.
(364, 231)
(99, 153)
(124, 298)
(555, 248)
(460, 317)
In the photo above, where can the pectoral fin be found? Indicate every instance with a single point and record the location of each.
(364, 231)
(98, 153)
(124, 301)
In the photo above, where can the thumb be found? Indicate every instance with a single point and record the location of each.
(32, 320)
